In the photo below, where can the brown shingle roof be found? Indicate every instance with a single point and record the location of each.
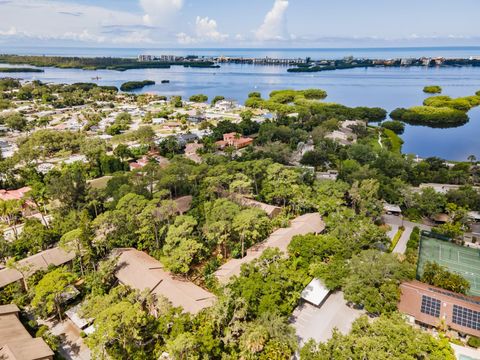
(34, 263)
(302, 225)
(142, 272)
(270, 210)
(14, 194)
(15, 342)
(184, 203)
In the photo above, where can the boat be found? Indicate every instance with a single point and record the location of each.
(165, 81)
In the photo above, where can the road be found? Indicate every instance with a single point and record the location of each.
(401, 246)
(395, 222)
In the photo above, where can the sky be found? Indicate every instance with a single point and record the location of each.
(239, 23)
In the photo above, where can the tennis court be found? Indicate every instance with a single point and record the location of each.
(460, 259)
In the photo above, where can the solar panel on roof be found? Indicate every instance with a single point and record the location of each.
(430, 306)
(466, 317)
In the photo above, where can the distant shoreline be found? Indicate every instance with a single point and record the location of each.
(331, 53)
(295, 65)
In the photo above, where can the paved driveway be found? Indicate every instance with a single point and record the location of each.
(464, 353)
(318, 323)
(401, 246)
(395, 222)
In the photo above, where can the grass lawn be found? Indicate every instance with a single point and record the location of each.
(392, 141)
(100, 183)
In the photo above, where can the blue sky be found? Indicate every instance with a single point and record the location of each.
(239, 23)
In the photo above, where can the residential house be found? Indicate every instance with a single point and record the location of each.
(270, 210)
(431, 306)
(225, 105)
(151, 156)
(28, 266)
(15, 341)
(392, 209)
(280, 238)
(142, 272)
(235, 140)
(327, 175)
(184, 139)
(28, 207)
(191, 152)
(17, 194)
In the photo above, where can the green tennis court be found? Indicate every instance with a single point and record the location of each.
(460, 259)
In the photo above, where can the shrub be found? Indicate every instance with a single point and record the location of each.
(473, 341)
(396, 126)
(438, 275)
(217, 99)
(199, 98)
(462, 103)
(314, 94)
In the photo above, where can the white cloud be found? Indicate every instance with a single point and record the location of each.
(185, 39)
(10, 32)
(274, 25)
(44, 20)
(206, 31)
(160, 12)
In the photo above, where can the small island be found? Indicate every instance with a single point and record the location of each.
(432, 89)
(438, 111)
(20, 70)
(135, 85)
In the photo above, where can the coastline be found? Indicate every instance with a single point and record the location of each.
(295, 65)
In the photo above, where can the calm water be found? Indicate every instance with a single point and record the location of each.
(387, 88)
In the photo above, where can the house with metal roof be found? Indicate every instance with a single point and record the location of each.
(315, 292)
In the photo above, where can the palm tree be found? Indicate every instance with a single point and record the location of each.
(9, 213)
(38, 194)
(472, 159)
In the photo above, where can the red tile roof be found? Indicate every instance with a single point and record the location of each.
(14, 194)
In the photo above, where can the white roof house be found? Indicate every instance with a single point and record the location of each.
(315, 292)
(474, 215)
(391, 208)
(79, 321)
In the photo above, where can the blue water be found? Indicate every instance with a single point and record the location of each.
(384, 87)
